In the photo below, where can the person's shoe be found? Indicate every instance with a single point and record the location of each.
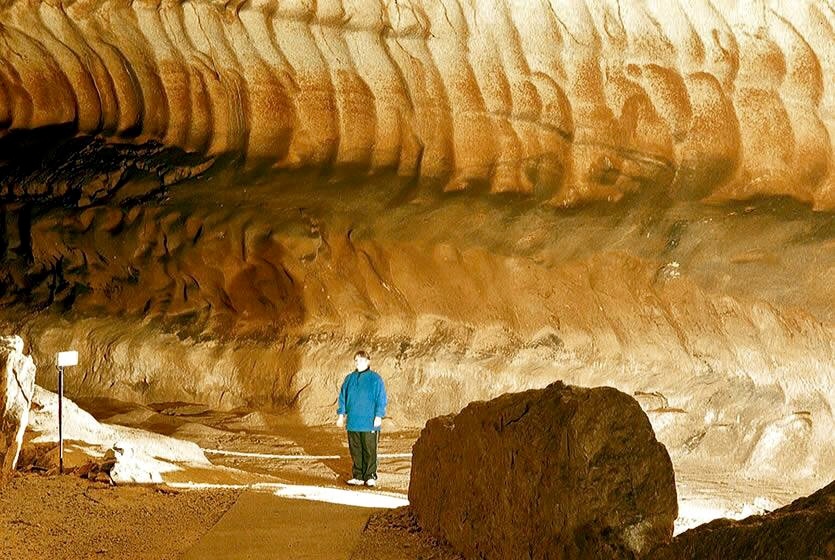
(355, 482)
(371, 482)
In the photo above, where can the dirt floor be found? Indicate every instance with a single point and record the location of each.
(64, 517)
(67, 517)
(263, 458)
(395, 535)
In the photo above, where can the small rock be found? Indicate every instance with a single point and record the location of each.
(86, 469)
(103, 477)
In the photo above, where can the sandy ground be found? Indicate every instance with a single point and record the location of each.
(238, 510)
(395, 535)
(64, 517)
(263, 526)
(266, 458)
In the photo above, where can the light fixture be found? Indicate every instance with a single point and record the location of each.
(62, 360)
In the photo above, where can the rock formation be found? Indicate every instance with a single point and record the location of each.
(567, 100)
(17, 383)
(129, 455)
(804, 529)
(562, 472)
(219, 203)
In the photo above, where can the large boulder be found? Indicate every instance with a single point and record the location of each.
(804, 529)
(562, 472)
(17, 383)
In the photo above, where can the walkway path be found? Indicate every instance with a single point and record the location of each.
(262, 525)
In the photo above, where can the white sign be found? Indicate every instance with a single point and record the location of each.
(68, 358)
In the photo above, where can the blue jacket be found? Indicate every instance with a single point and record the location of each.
(362, 397)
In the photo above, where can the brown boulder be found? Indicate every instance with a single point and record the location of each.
(17, 383)
(562, 472)
(803, 530)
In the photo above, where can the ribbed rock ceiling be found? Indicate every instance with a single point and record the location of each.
(569, 100)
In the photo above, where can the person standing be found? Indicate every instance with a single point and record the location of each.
(362, 399)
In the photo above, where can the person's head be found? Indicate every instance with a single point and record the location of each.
(362, 360)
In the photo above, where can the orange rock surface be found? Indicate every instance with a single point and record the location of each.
(566, 100)
(219, 203)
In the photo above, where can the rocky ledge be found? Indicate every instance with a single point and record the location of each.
(804, 529)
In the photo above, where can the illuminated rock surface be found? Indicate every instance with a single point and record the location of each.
(130, 455)
(562, 472)
(804, 529)
(567, 100)
(219, 203)
(17, 383)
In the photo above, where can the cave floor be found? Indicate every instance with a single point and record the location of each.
(278, 485)
(277, 448)
(259, 524)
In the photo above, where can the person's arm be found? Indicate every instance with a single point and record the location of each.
(380, 403)
(340, 407)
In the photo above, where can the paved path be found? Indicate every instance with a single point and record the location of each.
(262, 525)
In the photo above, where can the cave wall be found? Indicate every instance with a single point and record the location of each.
(221, 203)
(717, 318)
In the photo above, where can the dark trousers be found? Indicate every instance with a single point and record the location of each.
(363, 446)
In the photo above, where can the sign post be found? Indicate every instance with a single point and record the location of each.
(62, 360)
